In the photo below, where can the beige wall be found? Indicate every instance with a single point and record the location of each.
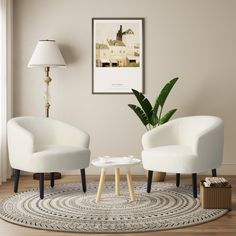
(195, 40)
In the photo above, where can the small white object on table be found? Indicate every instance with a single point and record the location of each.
(117, 163)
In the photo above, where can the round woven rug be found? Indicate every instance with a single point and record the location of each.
(66, 208)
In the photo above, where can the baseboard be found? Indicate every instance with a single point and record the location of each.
(225, 169)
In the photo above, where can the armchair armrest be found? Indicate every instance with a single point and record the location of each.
(209, 144)
(20, 144)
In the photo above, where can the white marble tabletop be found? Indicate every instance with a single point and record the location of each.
(107, 161)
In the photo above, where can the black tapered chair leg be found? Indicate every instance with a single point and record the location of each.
(16, 183)
(214, 174)
(194, 183)
(52, 179)
(149, 181)
(41, 185)
(177, 179)
(83, 179)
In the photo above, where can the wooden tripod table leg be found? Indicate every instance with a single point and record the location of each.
(101, 184)
(117, 179)
(131, 187)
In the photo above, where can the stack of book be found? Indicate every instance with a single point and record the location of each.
(215, 182)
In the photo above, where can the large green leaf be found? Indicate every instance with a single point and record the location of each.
(160, 101)
(140, 113)
(155, 108)
(144, 102)
(154, 120)
(167, 116)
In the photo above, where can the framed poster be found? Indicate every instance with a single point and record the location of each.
(117, 55)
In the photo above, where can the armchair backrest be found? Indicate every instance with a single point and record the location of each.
(41, 128)
(47, 131)
(183, 131)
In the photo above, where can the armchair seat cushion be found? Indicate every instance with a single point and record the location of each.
(178, 157)
(51, 158)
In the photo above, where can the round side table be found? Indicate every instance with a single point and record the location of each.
(116, 163)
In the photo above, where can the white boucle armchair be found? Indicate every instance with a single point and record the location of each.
(44, 145)
(184, 145)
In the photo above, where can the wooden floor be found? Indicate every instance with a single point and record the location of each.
(226, 225)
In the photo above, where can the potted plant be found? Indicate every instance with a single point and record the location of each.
(152, 116)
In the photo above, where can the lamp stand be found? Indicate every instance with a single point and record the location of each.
(47, 80)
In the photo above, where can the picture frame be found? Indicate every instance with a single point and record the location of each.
(118, 62)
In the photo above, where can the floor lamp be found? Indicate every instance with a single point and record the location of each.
(47, 55)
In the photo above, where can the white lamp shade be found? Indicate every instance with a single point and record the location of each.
(46, 54)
